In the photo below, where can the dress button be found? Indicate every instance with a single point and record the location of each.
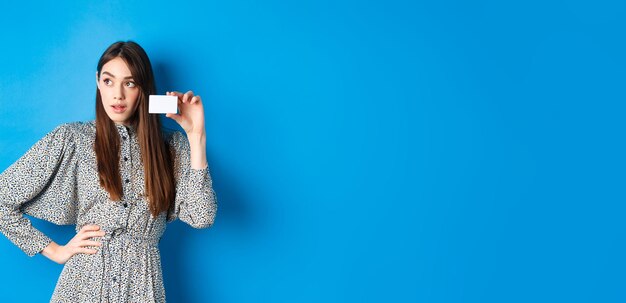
(125, 204)
(123, 137)
(126, 180)
(125, 158)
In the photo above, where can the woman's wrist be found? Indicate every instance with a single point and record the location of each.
(51, 250)
(197, 146)
(196, 138)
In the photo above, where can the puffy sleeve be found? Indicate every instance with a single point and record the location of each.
(42, 183)
(195, 202)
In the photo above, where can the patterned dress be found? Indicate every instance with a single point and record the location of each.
(57, 181)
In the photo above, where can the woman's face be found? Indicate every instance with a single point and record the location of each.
(118, 91)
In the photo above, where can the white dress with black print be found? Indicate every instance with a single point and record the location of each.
(57, 181)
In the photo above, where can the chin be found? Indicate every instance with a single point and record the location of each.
(118, 120)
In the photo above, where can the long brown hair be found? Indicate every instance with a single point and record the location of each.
(155, 155)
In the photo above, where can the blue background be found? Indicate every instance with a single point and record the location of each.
(362, 151)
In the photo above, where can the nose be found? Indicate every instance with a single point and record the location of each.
(119, 93)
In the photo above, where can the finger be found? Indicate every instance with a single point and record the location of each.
(86, 251)
(91, 234)
(187, 96)
(89, 243)
(177, 94)
(89, 227)
(195, 99)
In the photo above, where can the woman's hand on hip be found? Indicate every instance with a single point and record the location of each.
(77, 245)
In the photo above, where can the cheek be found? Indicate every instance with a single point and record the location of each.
(104, 94)
(134, 96)
(134, 93)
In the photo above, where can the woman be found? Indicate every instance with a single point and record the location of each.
(119, 179)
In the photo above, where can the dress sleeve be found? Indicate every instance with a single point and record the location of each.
(42, 183)
(195, 202)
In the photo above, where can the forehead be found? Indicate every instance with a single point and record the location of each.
(117, 67)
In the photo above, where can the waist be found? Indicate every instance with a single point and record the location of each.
(129, 239)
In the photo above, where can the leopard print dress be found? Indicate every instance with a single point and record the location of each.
(57, 181)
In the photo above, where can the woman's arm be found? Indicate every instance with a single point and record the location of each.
(195, 202)
(191, 119)
(197, 146)
(41, 184)
(77, 245)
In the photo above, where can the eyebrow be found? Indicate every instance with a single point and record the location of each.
(107, 73)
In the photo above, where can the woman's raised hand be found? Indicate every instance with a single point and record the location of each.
(191, 113)
(77, 245)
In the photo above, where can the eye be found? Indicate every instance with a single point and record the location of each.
(131, 84)
(107, 82)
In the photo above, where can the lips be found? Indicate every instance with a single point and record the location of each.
(118, 108)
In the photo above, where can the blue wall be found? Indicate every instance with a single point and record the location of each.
(362, 151)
